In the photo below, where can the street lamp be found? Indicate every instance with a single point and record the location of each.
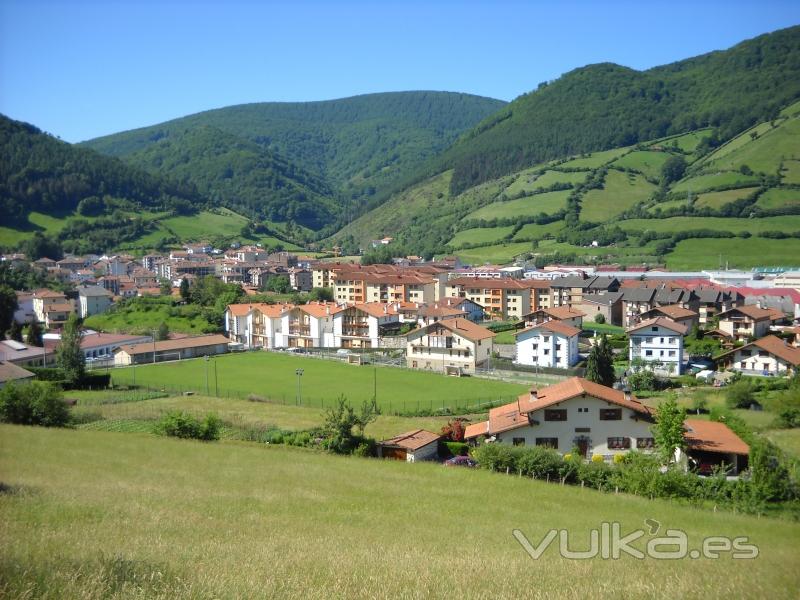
(207, 388)
(299, 373)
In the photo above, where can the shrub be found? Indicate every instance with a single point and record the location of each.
(741, 394)
(495, 457)
(366, 449)
(456, 448)
(597, 458)
(182, 425)
(34, 403)
(600, 319)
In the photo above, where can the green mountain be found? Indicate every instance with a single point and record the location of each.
(604, 106)
(40, 175)
(352, 151)
(672, 200)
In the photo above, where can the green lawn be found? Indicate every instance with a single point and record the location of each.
(94, 514)
(479, 235)
(720, 199)
(647, 162)
(594, 160)
(620, 192)
(272, 375)
(779, 197)
(735, 225)
(788, 439)
(744, 254)
(711, 180)
(602, 328)
(547, 203)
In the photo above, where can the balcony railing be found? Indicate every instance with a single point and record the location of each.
(456, 352)
(300, 330)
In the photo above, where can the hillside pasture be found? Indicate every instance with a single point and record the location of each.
(719, 199)
(104, 515)
(536, 231)
(696, 254)
(620, 192)
(546, 203)
(779, 197)
(647, 162)
(687, 142)
(593, 160)
(479, 235)
(736, 143)
(496, 254)
(707, 181)
(765, 153)
(529, 181)
(790, 174)
(675, 224)
(271, 375)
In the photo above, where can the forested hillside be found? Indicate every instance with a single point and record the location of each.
(359, 148)
(604, 106)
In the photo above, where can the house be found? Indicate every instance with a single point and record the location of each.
(675, 312)
(256, 325)
(769, 355)
(430, 313)
(453, 346)
(471, 310)
(180, 349)
(309, 325)
(570, 290)
(635, 302)
(98, 346)
(712, 301)
(565, 314)
(746, 321)
(609, 305)
(362, 325)
(658, 341)
(51, 308)
(552, 344)
(411, 446)
(11, 373)
(93, 300)
(575, 413)
(709, 445)
(24, 312)
(300, 279)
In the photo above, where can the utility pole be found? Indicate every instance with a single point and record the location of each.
(207, 388)
(154, 346)
(299, 373)
(375, 383)
(216, 381)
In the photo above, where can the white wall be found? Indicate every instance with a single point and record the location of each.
(544, 355)
(657, 343)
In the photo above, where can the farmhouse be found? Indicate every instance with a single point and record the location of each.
(191, 347)
(453, 346)
(769, 355)
(658, 341)
(575, 413)
(410, 446)
(551, 344)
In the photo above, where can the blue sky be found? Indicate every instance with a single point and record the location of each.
(79, 69)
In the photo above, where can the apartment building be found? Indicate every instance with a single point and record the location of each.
(553, 344)
(658, 341)
(451, 346)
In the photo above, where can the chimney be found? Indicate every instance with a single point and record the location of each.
(534, 395)
(627, 394)
(327, 309)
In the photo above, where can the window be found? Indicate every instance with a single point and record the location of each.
(546, 352)
(644, 443)
(662, 340)
(610, 414)
(555, 414)
(547, 442)
(583, 409)
(546, 338)
(654, 329)
(619, 443)
(518, 441)
(648, 353)
(745, 352)
(763, 353)
(672, 353)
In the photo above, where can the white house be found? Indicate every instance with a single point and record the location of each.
(573, 414)
(309, 325)
(550, 344)
(93, 300)
(452, 346)
(658, 341)
(361, 325)
(257, 325)
(769, 355)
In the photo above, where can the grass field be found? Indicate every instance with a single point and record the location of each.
(529, 181)
(778, 197)
(501, 253)
(272, 375)
(791, 172)
(533, 230)
(547, 203)
(741, 140)
(144, 319)
(479, 235)
(687, 142)
(594, 160)
(720, 199)
(735, 225)
(765, 153)
(95, 514)
(620, 192)
(705, 253)
(704, 182)
(646, 162)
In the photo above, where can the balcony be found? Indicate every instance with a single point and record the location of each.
(355, 331)
(455, 352)
(302, 330)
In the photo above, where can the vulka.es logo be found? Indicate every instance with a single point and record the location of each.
(609, 543)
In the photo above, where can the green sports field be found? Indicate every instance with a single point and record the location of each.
(104, 515)
(272, 375)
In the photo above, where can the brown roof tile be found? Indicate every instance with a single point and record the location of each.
(711, 436)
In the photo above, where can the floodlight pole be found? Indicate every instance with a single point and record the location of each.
(207, 388)
(299, 373)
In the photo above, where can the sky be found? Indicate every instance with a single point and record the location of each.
(80, 69)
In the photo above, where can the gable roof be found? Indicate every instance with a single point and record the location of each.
(711, 436)
(673, 311)
(178, 344)
(11, 372)
(412, 440)
(774, 345)
(559, 312)
(554, 326)
(749, 310)
(660, 322)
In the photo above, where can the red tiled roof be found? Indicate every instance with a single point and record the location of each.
(774, 345)
(555, 326)
(661, 322)
(711, 436)
(412, 440)
(501, 283)
(749, 310)
(562, 312)
(674, 311)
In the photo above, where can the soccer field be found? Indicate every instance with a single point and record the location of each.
(272, 375)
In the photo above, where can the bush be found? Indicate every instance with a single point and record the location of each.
(455, 448)
(182, 425)
(34, 403)
(495, 457)
(600, 319)
(741, 394)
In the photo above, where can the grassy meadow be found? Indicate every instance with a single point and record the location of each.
(271, 375)
(547, 203)
(704, 253)
(620, 192)
(103, 515)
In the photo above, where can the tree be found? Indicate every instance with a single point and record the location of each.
(673, 169)
(8, 306)
(741, 394)
(321, 294)
(339, 423)
(162, 333)
(668, 430)
(34, 403)
(15, 331)
(165, 287)
(278, 284)
(600, 364)
(34, 337)
(69, 355)
(186, 294)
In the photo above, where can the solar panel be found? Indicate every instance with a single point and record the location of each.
(15, 345)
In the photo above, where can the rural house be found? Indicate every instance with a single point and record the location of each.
(452, 346)
(769, 355)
